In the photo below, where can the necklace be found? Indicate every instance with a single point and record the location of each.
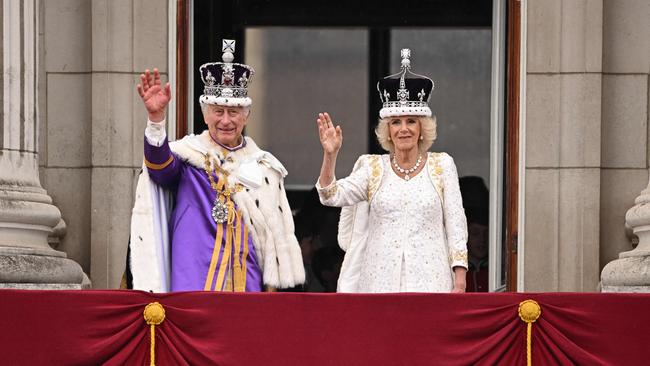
(406, 172)
(223, 208)
(241, 145)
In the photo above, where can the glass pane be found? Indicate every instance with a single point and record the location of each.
(459, 63)
(300, 72)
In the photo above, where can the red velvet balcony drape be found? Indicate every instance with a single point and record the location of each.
(107, 328)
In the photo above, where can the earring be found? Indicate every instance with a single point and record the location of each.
(389, 139)
(421, 138)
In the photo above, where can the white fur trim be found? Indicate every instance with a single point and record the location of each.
(150, 258)
(192, 149)
(404, 111)
(352, 238)
(228, 102)
(264, 205)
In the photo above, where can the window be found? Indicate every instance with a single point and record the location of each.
(327, 56)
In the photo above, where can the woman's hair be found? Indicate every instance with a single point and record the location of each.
(427, 131)
(246, 110)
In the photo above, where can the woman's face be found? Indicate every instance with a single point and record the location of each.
(404, 132)
(225, 123)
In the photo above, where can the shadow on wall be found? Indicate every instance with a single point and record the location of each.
(317, 230)
(476, 200)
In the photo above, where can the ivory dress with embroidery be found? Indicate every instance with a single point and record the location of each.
(416, 232)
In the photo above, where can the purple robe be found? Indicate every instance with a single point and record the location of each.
(199, 259)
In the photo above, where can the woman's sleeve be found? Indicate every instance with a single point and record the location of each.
(347, 191)
(454, 214)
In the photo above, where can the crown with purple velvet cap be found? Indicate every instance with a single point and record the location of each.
(226, 83)
(405, 93)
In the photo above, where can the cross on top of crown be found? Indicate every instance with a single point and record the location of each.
(228, 45)
(228, 49)
(406, 55)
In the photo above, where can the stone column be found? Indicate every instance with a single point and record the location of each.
(563, 145)
(626, 158)
(27, 215)
(123, 46)
(631, 271)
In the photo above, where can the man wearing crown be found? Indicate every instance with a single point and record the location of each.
(211, 212)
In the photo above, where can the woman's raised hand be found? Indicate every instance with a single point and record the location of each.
(154, 96)
(330, 137)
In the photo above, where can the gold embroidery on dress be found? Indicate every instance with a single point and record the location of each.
(375, 175)
(458, 256)
(435, 171)
(330, 191)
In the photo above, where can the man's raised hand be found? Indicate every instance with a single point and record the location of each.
(154, 96)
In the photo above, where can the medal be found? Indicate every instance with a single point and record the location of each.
(219, 211)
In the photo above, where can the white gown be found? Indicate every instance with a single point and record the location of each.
(414, 238)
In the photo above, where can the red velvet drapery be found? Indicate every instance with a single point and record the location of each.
(107, 328)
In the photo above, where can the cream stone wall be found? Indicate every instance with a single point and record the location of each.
(586, 136)
(128, 36)
(563, 145)
(626, 64)
(65, 100)
(92, 125)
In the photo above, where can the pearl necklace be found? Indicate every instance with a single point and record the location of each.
(406, 172)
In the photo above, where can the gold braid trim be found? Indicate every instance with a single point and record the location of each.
(226, 275)
(242, 274)
(162, 166)
(215, 257)
(217, 240)
(237, 284)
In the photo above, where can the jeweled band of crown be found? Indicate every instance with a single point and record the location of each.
(408, 104)
(236, 92)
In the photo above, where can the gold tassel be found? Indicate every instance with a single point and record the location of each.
(237, 267)
(154, 314)
(529, 312)
(244, 258)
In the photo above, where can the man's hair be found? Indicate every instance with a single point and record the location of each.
(247, 110)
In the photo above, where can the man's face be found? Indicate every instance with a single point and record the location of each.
(225, 123)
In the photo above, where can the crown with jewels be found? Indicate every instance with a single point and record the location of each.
(405, 93)
(225, 83)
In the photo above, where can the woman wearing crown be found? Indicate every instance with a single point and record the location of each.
(403, 226)
(230, 228)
